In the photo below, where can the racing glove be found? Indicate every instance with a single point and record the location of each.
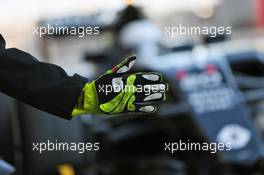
(116, 91)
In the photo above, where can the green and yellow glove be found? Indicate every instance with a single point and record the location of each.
(118, 92)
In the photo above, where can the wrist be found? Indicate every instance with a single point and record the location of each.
(88, 101)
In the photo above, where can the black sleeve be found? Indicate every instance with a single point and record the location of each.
(41, 85)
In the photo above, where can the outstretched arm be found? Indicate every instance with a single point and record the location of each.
(48, 87)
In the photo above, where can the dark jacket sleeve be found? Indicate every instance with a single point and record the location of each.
(41, 85)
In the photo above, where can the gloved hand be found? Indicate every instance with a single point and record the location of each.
(118, 92)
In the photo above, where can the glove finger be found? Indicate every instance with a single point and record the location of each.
(150, 87)
(140, 108)
(149, 97)
(124, 66)
(144, 78)
(132, 106)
